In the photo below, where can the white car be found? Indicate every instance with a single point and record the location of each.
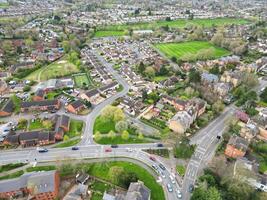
(169, 187)
(172, 179)
(178, 194)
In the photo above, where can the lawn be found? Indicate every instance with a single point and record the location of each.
(118, 140)
(9, 167)
(13, 175)
(109, 33)
(41, 168)
(55, 70)
(35, 125)
(180, 169)
(103, 126)
(68, 143)
(81, 80)
(184, 48)
(180, 23)
(98, 189)
(52, 95)
(76, 128)
(101, 170)
(4, 5)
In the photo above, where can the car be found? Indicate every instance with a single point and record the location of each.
(219, 137)
(162, 174)
(178, 194)
(108, 150)
(114, 146)
(169, 187)
(129, 150)
(159, 145)
(162, 166)
(152, 158)
(155, 167)
(172, 179)
(75, 148)
(42, 150)
(191, 188)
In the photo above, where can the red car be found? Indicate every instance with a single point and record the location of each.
(108, 150)
(152, 158)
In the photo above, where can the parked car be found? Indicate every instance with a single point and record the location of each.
(152, 158)
(178, 194)
(162, 174)
(172, 179)
(191, 188)
(108, 150)
(114, 146)
(162, 166)
(75, 148)
(155, 167)
(169, 187)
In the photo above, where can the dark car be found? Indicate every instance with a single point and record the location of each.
(43, 150)
(218, 137)
(191, 188)
(162, 166)
(114, 146)
(159, 145)
(75, 148)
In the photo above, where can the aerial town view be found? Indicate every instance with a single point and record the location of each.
(133, 99)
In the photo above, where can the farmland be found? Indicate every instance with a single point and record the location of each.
(181, 50)
(106, 33)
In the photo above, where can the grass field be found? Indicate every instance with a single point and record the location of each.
(101, 170)
(55, 70)
(76, 127)
(68, 143)
(180, 23)
(118, 140)
(108, 33)
(82, 80)
(180, 49)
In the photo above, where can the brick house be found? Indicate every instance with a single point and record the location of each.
(178, 104)
(40, 105)
(180, 122)
(37, 185)
(91, 95)
(7, 109)
(39, 95)
(76, 107)
(62, 125)
(236, 147)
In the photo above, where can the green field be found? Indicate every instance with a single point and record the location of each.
(82, 80)
(68, 143)
(181, 49)
(107, 33)
(180, 23)
(55, 70)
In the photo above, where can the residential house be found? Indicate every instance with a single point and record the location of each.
(75, 107)
(232, 77)
(170, 82)
(180, 122)
(3, 87)
(91, 95)
(7, 109)
(62, 125)
(77, 192)
(222, 88)
(208, 78)
(249, 131)
(34, 138)
(39, 95)
(199, 105)
(178, 104)
(37, 185)
(138, 191)
(45, 105)
(109, 87)
(236, 147)
(242, 116)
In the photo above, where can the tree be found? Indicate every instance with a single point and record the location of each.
(118, 115)
(127, 178)
(217, 39)
(97, 136)
(141, 68)
(121, 126)
(215, 70)
(174, 59)
(125, 135)
(140, 136)
(150, 72)
(66, 138)
(115, 173)
(189, 91)
(213, 194)
(218, 107)
(250, 80)
(111, 134)
(26, 88)
(263, 95)
(194, 76)
(47, 124)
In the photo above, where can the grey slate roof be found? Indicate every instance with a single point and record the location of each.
(138, 191)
